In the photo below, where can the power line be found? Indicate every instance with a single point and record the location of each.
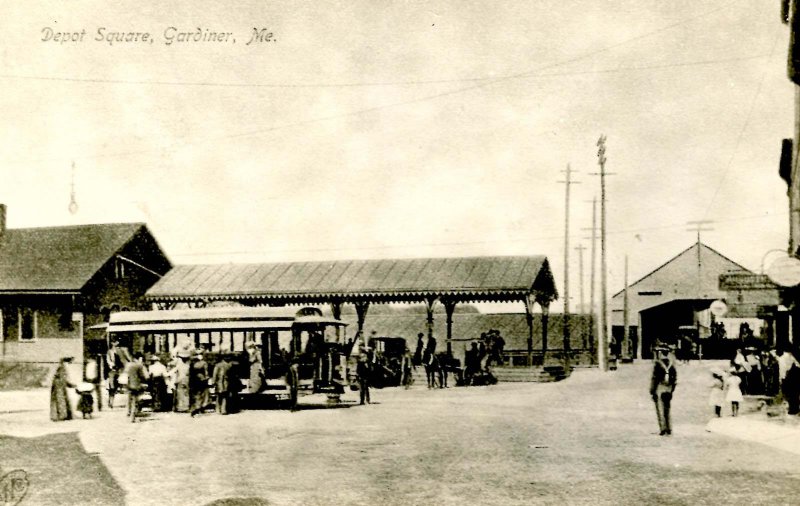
(207, 84)
(424, 98)
(741, 132)
(463, 243)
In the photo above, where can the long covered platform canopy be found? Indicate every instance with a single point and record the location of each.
(526, 279)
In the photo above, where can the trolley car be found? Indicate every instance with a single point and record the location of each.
(278, 352)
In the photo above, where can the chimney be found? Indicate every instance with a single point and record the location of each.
(2, 219)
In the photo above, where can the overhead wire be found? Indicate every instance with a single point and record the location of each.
(480, 84)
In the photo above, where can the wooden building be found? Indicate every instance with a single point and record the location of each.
(678, 294)
(56, 282)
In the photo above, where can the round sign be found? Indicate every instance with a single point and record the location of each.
(785, 271)
(718, 308)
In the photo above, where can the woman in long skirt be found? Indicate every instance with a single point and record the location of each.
(180, 375)
(60, 408)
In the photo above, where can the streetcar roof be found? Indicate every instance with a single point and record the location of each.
(213, 319)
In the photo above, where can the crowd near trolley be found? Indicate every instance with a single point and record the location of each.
(226, 359)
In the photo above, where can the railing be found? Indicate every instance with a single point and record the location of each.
(538, 358)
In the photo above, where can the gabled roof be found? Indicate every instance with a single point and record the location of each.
(729, 264)
(479, 278)
(59, 259)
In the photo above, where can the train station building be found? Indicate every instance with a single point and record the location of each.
(678, 296)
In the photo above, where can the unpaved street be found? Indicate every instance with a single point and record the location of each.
(587, 440)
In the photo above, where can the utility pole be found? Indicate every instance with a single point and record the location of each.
(594, 328)
(699, 226)
(625, 336)
(567, 183)
(602, 338)
(582, 310)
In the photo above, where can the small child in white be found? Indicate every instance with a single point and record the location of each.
(717, 396)
(733, 391)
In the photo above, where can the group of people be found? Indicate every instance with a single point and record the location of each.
(438, 366)
(487, 351)
(773, 374)
(181, 383)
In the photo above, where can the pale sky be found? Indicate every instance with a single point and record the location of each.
(404, 129)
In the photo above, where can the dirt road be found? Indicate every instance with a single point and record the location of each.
(590, 439)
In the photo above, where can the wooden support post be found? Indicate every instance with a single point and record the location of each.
(429, 302)
(449, 307)
(361, 314)
(336, 311)
(545, 321)
(529, 302)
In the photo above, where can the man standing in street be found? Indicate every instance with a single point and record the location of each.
(662, 385)
(223, 380)
(137, 384)
(363, 369)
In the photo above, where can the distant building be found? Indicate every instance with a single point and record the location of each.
(679, 294)
(56, 282)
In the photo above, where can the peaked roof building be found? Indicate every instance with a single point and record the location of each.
(56, 282)
(676, 294)
(691, 274)
(51, 260)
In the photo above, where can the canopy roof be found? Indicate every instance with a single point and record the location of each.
(506, 278)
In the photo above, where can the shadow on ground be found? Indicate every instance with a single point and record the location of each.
(59, 471)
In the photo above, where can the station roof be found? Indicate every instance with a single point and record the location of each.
(59, 259)
(499, 278)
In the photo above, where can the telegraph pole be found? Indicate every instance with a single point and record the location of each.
(582, 311)
(602, 338)
(567, 183)
(699, 226)
(593, 331)
(625, 336)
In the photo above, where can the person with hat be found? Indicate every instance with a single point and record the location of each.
(158, 383)
(137, 384)
(363, 370)
(180, 380)
(224, 381)
(198, 384)
(662, 385)
(256, 369)
(60, 408)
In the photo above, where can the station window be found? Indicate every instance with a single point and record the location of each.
(119, 269)
(27, 324)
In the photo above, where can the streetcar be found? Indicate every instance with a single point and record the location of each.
(279, 353)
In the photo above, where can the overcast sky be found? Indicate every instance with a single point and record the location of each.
(407, 129)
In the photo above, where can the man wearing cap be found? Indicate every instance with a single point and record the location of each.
(363, 369)
(137, 384)
(662, 385)
(224, 381)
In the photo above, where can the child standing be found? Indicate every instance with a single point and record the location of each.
(717, 396)
(86, 402)
(733, 391)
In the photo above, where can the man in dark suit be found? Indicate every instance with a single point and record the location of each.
(224, 382)
(430, 362)
(137, 384)
(662, 385)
